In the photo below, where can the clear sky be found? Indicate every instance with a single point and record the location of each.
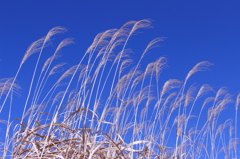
(195, 30)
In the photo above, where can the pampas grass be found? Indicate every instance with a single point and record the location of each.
(107, 107)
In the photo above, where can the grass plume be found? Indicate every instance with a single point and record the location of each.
(106, 107)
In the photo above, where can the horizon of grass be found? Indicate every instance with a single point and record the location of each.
(104, 107)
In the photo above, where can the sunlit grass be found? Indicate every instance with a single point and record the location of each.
(106, 106)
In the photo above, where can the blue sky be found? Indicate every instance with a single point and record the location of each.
(195, 31)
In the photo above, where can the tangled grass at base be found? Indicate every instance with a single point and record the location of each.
(106, 107)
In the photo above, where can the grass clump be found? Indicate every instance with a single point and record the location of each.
(103, 108)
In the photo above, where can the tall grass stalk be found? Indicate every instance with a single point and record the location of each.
(106, 107)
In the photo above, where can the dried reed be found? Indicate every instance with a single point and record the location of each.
(102, 108)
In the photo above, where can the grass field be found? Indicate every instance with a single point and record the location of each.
(106, 106)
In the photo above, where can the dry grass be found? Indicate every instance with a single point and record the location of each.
(102, 108)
